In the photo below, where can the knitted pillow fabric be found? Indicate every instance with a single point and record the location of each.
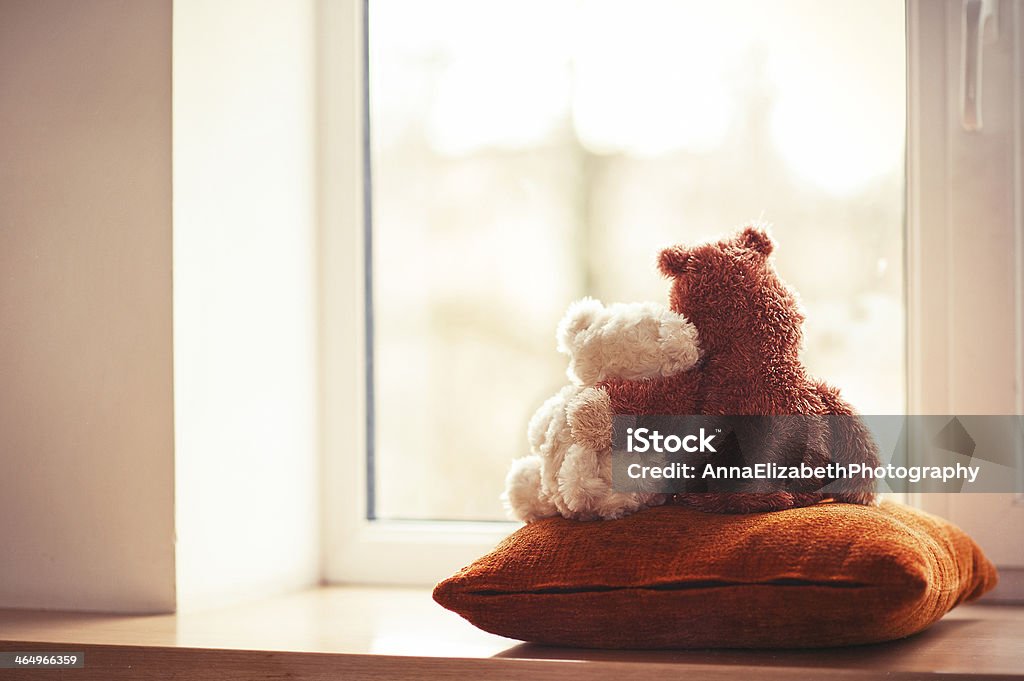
(670, 577)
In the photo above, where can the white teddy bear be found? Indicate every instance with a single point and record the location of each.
(569, 472)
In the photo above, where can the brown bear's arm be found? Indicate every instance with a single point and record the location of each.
(850, 441)
(676, 394)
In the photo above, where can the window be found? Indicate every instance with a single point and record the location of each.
(526, 154)
(965, 242)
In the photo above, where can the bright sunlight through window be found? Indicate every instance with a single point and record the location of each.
(525, 154)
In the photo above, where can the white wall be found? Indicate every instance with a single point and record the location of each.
(107, 446)
(86, 421)
(244, 306)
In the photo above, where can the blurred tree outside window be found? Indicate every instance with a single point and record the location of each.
(525, 154)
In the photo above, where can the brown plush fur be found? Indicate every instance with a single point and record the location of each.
(749, 325)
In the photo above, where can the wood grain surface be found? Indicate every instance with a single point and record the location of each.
(364, 633)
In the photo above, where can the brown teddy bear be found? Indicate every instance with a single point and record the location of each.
(749, 324)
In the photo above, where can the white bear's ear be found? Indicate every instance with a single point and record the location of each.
(579, 317)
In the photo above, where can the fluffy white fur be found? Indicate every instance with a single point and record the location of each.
(563, 475)
(625, 340)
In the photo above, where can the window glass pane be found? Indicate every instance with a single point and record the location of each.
(528, 153)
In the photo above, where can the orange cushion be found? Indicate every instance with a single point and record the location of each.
(671, 577)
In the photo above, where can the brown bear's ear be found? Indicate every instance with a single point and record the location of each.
(672, 261)
(757, 239)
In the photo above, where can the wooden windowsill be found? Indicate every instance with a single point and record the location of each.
(357, 633)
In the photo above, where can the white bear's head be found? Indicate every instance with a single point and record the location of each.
(625, 340)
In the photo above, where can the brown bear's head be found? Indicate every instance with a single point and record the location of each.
(731, 293)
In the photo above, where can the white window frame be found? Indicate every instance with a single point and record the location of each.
(356, 549)
(422, 552)
(952, 323)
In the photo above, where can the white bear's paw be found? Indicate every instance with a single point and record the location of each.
(523, 498)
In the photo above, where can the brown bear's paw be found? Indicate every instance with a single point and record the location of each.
(746, 502)
(863, 498)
